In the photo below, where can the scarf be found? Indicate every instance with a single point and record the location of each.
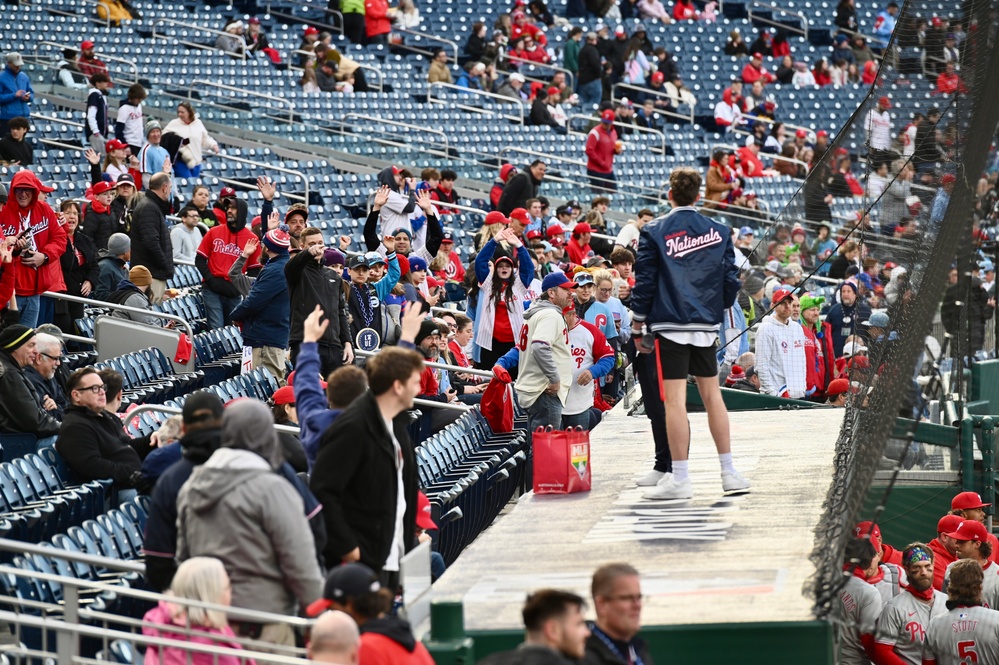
(486, 315)
(921, 595)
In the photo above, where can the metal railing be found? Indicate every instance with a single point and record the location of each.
(397, 123)
(427, 402)
(425, 35)
(124, 308)
(98, 3)
(169, 21)
(654, 93)
(221, 86)
(174, 411)
(570, 77)
(308, 5)
(268, 167)
(761, 154)
(371, 200)
(636, 128)
(756, 4)
(453, 103)
(105, 57)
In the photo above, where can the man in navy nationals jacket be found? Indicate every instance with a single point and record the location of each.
(685, 279)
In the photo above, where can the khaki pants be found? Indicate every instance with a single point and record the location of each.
(272, 358)
(158, 287)
(279, 634)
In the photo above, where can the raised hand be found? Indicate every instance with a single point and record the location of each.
(424, 201)
(267, 188)
(412, 317)
(389, 242)
(250, 247)
(314, 327)
(92, 156)
(273, 221)
(381, 197)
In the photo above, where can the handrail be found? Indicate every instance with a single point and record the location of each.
(262, 95)
(637, 128)
(576, 162)
(49, 118)
(371, 199)
(771, 121)
(104, 56)
(655, 93)
(800, 15)
(300, 3)
(174, 411)
(507, 101)
(162, 19)
(64, 146)
(280, 169)
(427, 35)
(106, 21)
(423, 402)
(124, 308)
(571, 79)
(362, 116)
(360, 65)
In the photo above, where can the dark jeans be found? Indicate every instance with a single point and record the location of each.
(590, 93)
(546, 412)
(601, 182)
(648, 379)
(218, 308)
(330, 357)
(488, 357)
(577, 420)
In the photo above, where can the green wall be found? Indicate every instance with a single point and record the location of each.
(911, 513)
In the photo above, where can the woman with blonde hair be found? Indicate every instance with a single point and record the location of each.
(203, 579)
(187, 126)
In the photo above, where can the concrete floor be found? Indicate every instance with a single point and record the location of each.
(715, 558)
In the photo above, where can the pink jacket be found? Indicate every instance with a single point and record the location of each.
(157, 655)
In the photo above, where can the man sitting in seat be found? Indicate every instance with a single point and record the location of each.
(41, 373)
(93, 441)
(20, 411)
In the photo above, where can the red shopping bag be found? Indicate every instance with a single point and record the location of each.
(561, 461)
(184, 348)
(497, 402)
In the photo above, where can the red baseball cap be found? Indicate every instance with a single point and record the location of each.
(801, 133)
(781, 294)
(948, 178)
(496, 217)
(555, 230)
(758, 55)
(821, 132)
(284, 395)
(658, 77)
(581, 228)
(311, 30)
(533, 233)
(520, 215)
(423, 512)
(291, 380)
(553, 91)
(884, 101)
(863, 529)
(970, 530)
(607, 116)
(890, 265)
(433, 282)
(949, 523)
(101, 187)
(115, 144)
(86, 44)
(968, 501)
(837, 387)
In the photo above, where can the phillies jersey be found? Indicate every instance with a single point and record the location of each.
(904, 621)
(990, 583)
(222, 247)
(587, 345)
(892, 580)
(861, 605)
(963, 636)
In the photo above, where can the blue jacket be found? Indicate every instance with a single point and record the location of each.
(266, 311)
(685, 274)
(884, 26)
(314, 412)
(10, 105)
(524, 262)
(384, 286)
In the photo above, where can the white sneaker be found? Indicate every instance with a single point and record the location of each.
(734, 482)
(670, 488)
(651, 479)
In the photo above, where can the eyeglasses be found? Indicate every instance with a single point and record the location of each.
(97, 389)
(606, 290)
(55, 359)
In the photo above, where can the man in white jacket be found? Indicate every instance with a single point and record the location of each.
(780, 350)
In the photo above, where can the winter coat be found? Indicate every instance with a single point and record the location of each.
(95, 446)
(237, 509)
(389, 641)
(376, 19)
(685, 276)
(10, 105)
(192, 153)
(519, 188)
(265, 312)
(79, 263)
(354, 477)
(151, 244)
(48, 237)
(163, 614)
(20, 410)
(98, 224)
(589, 64)
(110, 272)
(129, 295)
(598, 653)
(600, 145)
(309, 284)
(845, 321)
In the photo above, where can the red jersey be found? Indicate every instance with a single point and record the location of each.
(429, 387)
(222, 247)
(454, 271)
(941, 559)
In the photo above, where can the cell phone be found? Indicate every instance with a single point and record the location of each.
(424, 307)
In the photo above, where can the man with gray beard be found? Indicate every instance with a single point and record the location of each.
(434, 383)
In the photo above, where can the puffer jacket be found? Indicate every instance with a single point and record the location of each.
(98, 224)
(685, 275)
(164, 615)
(237, 509)
(19, 410)
(151, 244)
(48, 236)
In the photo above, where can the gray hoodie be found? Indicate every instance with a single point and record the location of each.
(547, 358)
(237, 509)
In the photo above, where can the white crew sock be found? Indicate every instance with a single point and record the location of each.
(726, 463)
(680, 471)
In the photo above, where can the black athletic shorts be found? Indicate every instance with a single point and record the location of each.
(678, 361)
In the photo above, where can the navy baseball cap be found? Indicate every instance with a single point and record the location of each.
(557, 279)
(358, 261)
(417, 264)
(448, 237)
(350, 580)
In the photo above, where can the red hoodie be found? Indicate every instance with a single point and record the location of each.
(600, 143)
(47, 235)
(496, 192)
(941, 559)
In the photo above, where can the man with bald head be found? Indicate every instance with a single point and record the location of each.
(334, 639)
(41, 374)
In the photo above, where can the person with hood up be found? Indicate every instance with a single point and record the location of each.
(266, 310)
(499, 315)
(111, 266)
(98, 223)
(135, 292)
(507, 171)
(601, 146)
(819, 354)
(355, 589)
(728, 112)
(41, 243)
(219, 249)
(203, 579)
(237, 509)
(151, 244)
(845, 318)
